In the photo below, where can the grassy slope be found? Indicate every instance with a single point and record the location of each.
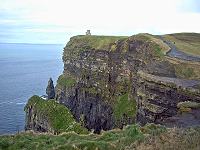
(164, 47)
(185, 69)
(131, 137)
(93, 42)
(156, 45)
(186, 42)
(58, 116)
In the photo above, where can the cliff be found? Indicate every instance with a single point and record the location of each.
(49, 116)
(109, 82)
(113, 81)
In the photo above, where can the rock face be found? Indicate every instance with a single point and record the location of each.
(111, 84)
(50, 91)
(36, 120)
(158, 97)
(49, 116)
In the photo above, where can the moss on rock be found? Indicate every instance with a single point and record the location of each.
(66, 81)
(58, 116)
(124, 106)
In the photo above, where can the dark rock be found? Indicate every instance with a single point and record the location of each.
(134, 68)
(50, 89)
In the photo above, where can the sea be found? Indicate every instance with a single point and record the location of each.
(24, 71)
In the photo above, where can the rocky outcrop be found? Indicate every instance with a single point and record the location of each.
(109, 82)
(49, 116)
(50, 91)
(103, 86)
(35, 119)
(158, 97)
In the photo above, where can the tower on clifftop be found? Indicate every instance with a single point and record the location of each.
(88, 32)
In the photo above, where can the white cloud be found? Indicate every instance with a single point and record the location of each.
(103, 17)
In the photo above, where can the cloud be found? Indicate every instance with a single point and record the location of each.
(60, 19)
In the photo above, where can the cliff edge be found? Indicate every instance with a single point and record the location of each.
(109, 82)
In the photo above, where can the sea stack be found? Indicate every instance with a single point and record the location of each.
(50, 91)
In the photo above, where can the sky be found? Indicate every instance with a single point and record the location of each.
(55, 21)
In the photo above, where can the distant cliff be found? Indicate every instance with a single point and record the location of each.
(109, 82)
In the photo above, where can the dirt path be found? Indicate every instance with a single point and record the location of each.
(174, 52)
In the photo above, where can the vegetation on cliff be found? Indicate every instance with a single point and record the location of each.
(94, 42)
(66, 81)
(106, 68)
(186, 42)
(187, 106)
(149, 137)
(80, 43)
(57, 115)
(124, 106)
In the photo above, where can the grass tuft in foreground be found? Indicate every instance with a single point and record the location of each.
(149, 137)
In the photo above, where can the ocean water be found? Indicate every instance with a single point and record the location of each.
(24, 71)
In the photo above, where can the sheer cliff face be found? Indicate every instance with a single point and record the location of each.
(109, 82)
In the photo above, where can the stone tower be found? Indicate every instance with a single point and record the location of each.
(88, 32)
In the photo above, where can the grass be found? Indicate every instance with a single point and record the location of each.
(81, 43)
(158, 47)
(66, 81)
(111, 140)
(185, 69)
(186, 42)
(149, 137)
(93, 42)
(172, 139)
(58, 116)
(124, 106)
(158, 51)
(163, 46)
(185, 72)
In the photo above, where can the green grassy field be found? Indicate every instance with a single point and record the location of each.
(186, 42)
